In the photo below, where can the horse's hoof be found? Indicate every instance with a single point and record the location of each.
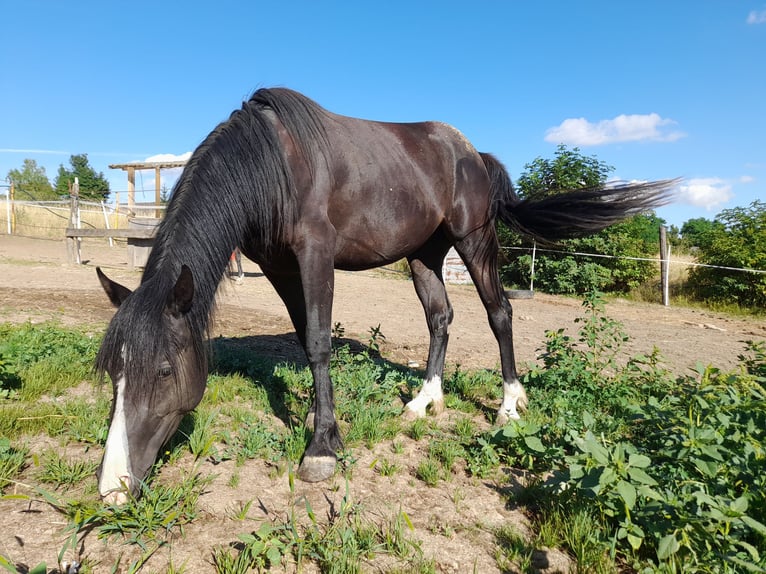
(411, 415)
(437, 407)
(504, 417)
(316, 468)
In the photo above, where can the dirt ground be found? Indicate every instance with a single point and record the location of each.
(453, 522)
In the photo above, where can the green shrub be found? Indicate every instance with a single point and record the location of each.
(675, 470)
(738, 241)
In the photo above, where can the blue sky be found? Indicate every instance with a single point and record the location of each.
(656, 89)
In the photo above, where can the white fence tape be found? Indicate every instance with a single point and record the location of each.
(653, 259)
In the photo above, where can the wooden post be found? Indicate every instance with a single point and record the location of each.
(131, 189)
(664, 266)
(116, 219)
(12, 220)
(9, 209)
(157, 193)
(73, 243)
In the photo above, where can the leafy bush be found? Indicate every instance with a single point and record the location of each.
(739, 240)
(674, 471)
(558, 270)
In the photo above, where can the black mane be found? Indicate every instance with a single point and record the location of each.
(237, 187)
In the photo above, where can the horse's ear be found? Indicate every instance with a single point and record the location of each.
(180, 298)
(117, 293)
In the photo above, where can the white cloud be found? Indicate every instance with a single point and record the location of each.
(169, 157)
(168, 176)
(756, 17)
(33, 151)
(623, 128)
(746, 179)
(705, 192)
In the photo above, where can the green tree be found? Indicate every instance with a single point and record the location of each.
(737, 240)
(93, 186)
(636, 237)
(31, 182)
(699, 232)
(568, 170)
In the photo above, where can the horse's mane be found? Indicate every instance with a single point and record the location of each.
(237, 188)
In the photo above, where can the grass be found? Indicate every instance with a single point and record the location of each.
(609, 447)
(61, 472)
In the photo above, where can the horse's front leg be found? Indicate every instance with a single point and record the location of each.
(317, 277)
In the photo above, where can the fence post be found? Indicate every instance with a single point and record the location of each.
(106, 221)
(9, 209)
(73, 243)
(664, 266)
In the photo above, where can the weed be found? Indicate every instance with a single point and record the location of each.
(12, 461)
(386, 467)
(464, 429)
(430, 471)
(447, 451)
(203, 436)
(514, 553)
(61, 472)
(419, 428)
(240, 512)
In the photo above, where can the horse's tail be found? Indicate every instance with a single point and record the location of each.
(572, 214)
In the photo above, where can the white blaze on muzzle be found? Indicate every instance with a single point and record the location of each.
(115, 481)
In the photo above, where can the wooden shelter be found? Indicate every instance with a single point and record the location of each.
(132, 167)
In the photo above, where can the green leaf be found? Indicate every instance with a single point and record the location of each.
(754, 524)
(534, 443)
(608, 476)
(273, 555)
(593, 447)
(706, 467)
(712, 451)
(628, 493)
(408, 521)
(639, 461)
(667, 547)
(739, 505)
(747, 565)
(635, 541)
(256, 547)
(638, 475)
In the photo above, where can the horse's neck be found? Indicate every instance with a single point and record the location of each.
(203, 248)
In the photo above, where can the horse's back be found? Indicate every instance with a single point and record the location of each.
(391, 186)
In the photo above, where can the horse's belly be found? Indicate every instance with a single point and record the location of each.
(371, 245)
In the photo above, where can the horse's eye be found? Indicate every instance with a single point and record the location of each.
(165, 371)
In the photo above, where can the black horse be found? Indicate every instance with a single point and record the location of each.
(303, 191)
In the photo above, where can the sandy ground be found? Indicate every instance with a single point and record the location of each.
(37, 283)
(453, 522)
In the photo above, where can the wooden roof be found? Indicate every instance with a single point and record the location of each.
(148, 165)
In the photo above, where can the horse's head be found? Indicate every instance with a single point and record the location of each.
(158, 370)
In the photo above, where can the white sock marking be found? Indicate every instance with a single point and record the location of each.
(430, 392)
(514, 397)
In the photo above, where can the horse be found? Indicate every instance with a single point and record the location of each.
(303, 191)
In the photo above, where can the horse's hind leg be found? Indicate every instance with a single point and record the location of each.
(479, 253)
(426, 267)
